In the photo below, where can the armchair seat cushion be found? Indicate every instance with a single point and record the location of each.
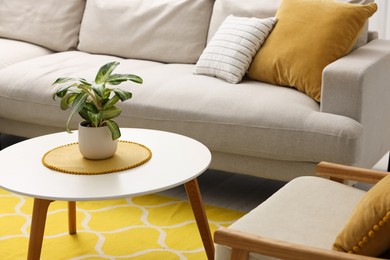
(320, 210)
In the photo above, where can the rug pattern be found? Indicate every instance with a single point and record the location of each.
(144, 227)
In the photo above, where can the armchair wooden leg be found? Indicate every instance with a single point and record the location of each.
(388, 164)
(238, 254)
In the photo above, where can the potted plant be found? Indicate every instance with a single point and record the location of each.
(96, 104)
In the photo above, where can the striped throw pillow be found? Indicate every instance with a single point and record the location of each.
(231, 50)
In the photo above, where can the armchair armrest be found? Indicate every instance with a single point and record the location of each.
(344, 172)
(243, 243)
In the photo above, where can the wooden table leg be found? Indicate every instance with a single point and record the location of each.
(37, 228)
(193, 193)
(72, 217)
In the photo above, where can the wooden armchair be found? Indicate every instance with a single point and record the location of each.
(286, 226)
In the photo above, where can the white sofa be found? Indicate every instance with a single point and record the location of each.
(253, 127)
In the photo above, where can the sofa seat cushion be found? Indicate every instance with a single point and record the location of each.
(251, 118)
(301, 222)
(12, 51)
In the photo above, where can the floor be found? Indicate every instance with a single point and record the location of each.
(243, 193)
(228, 190)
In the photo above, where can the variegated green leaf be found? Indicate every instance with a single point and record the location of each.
(84, 87)
(122, 94)
(64, 80)
(78, 104)
(114, 129)
(84, 82)
(95, 118)
(116, 79)
(89, 106)
(67, 100)
(107, 93)
(61, 92)
(111, 102)
(105, 71)
(110, 113)
(99, 90)
(84, 113)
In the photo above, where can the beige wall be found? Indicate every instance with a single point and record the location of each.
(380, 21)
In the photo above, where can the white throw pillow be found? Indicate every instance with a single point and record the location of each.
(52, 24)
(172, 31)
(229, 53)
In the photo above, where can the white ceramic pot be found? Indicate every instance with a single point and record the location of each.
(96, 142)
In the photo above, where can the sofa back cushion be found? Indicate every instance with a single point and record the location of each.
(172, 31)
(243, 8)
(261, 9)
(53, 24)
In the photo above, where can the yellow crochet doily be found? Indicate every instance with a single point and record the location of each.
(68, 159)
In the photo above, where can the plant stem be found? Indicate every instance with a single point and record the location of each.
(92, 96)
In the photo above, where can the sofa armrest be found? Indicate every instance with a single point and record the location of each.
(244, 243)
(344, 172)
(351, 82)
(358, 86)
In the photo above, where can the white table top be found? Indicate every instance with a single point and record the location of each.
(176, 159)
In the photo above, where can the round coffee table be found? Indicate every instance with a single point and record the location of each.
(176, 160)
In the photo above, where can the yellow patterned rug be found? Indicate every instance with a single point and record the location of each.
(146, 227)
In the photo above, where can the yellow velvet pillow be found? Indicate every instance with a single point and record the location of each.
(367, 232)
(309, 35)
